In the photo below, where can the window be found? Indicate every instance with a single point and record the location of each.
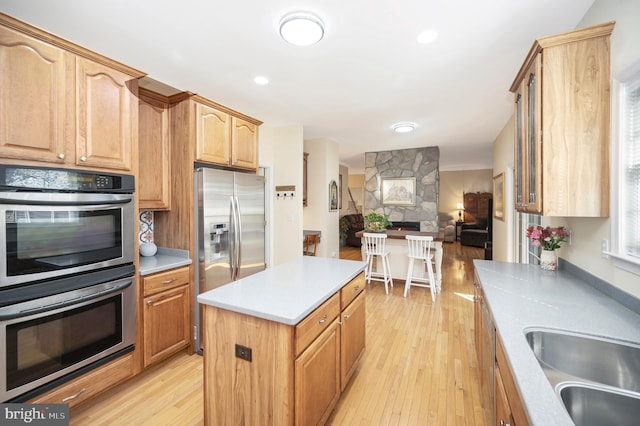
(626, 218)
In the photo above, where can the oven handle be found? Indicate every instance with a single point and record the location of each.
(9, 312)
(64, 203)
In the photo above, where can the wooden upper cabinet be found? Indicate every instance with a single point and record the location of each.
(213, 135)
(562, 104)
(225, 137)
(244, 144)
(107, 111)
(61, 103)
(153, 152)
(35, 96)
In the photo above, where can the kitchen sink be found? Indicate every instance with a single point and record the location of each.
(590, 358)
(593, 406)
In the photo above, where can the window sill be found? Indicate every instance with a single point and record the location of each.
(627, 263)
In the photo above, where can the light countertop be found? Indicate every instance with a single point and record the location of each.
(523, 297)
(285, 293)
(164, 260)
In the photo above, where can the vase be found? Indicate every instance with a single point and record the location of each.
(549, 260)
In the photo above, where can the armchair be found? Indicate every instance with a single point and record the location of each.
(475, 234)
(356, 224)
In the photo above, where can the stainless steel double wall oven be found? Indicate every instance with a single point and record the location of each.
(67, 293)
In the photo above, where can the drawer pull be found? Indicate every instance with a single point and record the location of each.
(356, 289)
(74, 396)
(346, 316)
(323, 320)
(83, 159)
(149, 302)
(169, 281)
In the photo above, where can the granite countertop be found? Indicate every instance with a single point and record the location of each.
(285, 293)
(163, 260)
(523, 297)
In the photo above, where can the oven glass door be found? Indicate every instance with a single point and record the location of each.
(45, 240)
(39, 347)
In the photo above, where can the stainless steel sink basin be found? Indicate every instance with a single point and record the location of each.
(592, 406)
(589, 358)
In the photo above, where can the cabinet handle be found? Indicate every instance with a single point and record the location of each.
(356, 289)
(346, 316)
(74, 396)
(323, 320)
(61, 156)
(169, 281)
(150, 302)
(83, 159)
(502, 423)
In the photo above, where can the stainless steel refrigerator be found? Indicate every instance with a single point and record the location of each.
(229, 228)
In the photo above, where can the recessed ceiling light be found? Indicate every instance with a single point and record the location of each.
(261, 80)
(301, 28)
(428, 36)
(403, 127)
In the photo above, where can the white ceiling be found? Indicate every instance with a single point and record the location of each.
(366, 74)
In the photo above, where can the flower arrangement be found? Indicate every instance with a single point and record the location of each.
(548, 238)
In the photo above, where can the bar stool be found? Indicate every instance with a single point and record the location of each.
(420, 250)
(375, 249)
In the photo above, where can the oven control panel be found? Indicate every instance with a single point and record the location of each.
(49, 179)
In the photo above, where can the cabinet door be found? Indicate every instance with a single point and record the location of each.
(503, 411)
(533, 138)
(317, 383)
(213, 138)
(520, 137)
(352, 337)
(107, 116)
(166, 324)
(244, 148)
(34, 103)
(153, 154)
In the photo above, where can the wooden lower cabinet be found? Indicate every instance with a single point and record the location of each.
(89, 384)
(503, 411)
(295, 374)
(318, 378)
(166, 314)
(352, 338)
(508, 402)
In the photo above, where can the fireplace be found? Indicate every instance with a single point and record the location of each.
(405, 226)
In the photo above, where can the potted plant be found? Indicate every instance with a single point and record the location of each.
(377, 222)
(344, 228)
(550, 239)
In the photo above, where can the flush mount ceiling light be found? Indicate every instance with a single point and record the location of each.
(427, 37)
(261, 80)
(403, 127)
(301, 28)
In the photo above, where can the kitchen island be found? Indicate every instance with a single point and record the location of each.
(281, 345)
(398, 251)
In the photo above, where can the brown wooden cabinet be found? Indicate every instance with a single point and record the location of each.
(508, 402)
(562, 103)
(296, 373)
(476, 206)
(154, 137)
(224, 137)
(64, 104)
(90, 384)
(166, 314)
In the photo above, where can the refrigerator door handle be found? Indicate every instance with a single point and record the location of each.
(238, 240)
(232, 239)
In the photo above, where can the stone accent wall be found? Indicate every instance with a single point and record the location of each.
(419, 162)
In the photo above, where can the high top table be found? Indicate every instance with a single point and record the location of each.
(397, 247)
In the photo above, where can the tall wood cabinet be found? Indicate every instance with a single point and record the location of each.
(562, 102)
(63, 104)
(476, 205)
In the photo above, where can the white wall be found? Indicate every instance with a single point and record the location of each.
(453, 185)
(503, 232)
(281, 149)
(587, 233)
(322, 167)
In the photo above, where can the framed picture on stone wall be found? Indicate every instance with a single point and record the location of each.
(398, 191)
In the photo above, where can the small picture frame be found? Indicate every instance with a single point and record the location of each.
(333, 196)
(398, 191)
(498, 196)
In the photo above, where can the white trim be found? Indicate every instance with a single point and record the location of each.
(624, 262)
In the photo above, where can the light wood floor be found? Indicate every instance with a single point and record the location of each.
(419, 366)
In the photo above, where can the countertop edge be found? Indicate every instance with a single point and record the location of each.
(163, 260)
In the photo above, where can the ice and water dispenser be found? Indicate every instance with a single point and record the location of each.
(219, 240)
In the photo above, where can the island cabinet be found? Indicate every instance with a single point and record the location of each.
(225, 137)
(166, 314)
(64, 104)
(562, 103)
(259, 371)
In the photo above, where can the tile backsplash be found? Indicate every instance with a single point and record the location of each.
(145, 234)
